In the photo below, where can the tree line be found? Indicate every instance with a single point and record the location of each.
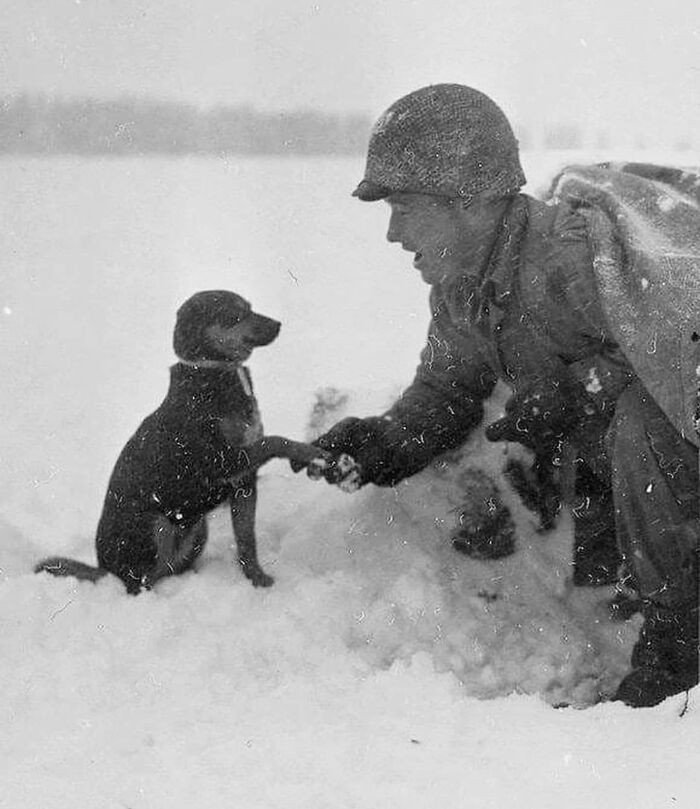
(37, 124)
(128, 126)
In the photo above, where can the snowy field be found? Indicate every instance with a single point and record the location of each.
(382, 669)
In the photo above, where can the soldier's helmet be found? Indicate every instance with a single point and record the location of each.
(444, 139)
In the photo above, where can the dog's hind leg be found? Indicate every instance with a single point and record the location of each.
(193, 544)
(243, 503)
(177, 547)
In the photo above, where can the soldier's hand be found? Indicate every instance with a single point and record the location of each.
(361, 440)
(541, 415)
(337, 440)
(342, 471)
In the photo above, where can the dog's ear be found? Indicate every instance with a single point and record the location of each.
(189, 341)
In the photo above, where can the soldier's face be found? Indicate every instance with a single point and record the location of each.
(448, 241)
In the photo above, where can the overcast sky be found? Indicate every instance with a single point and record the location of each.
(612, 64)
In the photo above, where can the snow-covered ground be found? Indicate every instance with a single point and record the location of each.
(382, 669)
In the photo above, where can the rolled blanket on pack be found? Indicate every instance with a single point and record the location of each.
(644, 227)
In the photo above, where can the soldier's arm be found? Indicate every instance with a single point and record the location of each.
(435, 413)
(604, 371)
(444, 402)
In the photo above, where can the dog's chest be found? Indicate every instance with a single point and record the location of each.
(244, 426)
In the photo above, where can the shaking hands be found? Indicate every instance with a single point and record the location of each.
(339, 470)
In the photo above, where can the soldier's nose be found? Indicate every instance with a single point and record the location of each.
(392, 233)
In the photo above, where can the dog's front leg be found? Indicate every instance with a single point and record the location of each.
(243, 502)
(275, 446)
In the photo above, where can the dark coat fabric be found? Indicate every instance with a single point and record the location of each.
(534, 316)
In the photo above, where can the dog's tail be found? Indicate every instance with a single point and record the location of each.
(59, 566)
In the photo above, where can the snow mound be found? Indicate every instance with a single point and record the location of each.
(365, 654)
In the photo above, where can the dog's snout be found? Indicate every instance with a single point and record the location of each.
(265, 329)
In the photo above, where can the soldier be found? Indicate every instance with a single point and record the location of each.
(514, 295)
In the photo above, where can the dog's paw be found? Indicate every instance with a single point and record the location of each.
(258, 577)
(262, 580)
(255, 574)
(318, 468)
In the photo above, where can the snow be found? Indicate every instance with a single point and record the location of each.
(382, 668)
(374, 672)
(667, 203)
(593, 382)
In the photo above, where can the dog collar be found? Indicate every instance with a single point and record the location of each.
(224, 365)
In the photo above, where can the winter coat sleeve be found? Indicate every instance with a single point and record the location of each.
(441, 406)
(600, 366)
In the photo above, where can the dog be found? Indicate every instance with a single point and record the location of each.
(201, 447)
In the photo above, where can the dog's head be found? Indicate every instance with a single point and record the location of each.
(217, 325)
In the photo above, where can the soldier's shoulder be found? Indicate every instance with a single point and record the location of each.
(556, 223)
(556, 252)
